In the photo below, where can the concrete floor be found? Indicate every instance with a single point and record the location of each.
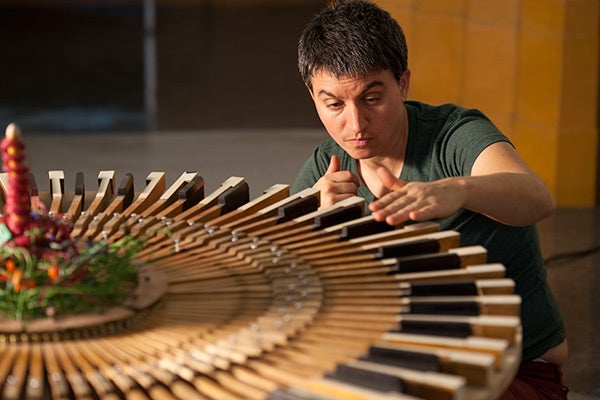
(267, 157)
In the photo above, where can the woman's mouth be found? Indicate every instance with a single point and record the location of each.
(358, 142)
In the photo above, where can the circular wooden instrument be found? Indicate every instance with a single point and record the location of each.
(271, 298)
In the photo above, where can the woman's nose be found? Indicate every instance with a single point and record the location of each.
(356, 118)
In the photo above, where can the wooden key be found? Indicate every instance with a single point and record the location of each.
(121, 201)
(332, 238)
(35, 195)
(427, 243)
(210, 200)
(463, 305)
(17, 377)
(429, 385)
(231, 194)
(222, 236)
(494, 326)
(332, 389)
(467, 287)
(168, 197)
(3, 186)
(301, 203)
(189, 195)
(35, 389)
(456, 258)
(180, 228)
(498, 348)
(250, 244)
(311, 221)
(91, 367)
(57, 190)
(478, 271)
(476, 368)
(79, 386)
(59, 387)
(106, 187)
(155, 186)
(76, 206)
(171, 202)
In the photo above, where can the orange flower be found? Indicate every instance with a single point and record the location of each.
(16, 280)
(9, 265)
(53, 273)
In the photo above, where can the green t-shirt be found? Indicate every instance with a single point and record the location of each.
(444, 141)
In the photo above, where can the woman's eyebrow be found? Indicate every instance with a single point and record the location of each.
(366, 89)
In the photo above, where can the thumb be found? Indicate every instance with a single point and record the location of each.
(334, 165)
(388, 179)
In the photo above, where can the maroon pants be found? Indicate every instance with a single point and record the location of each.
(537, 380)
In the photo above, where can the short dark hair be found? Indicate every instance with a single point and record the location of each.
(352, 38)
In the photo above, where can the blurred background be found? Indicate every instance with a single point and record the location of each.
(212, 85)
(141, 65)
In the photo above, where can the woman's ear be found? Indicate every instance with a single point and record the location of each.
(404, 84)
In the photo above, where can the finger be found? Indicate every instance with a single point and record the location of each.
(388, 179)
(334, 165)
(396, 218)
(344, 187)
(396, 199)
(346, 176)
(393, 208)
(330, 198)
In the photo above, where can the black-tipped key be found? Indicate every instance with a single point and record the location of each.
(364, 228)
(338, 216)
(457, 288)
(234, 197)
(403, 358)
(426, 262)
(465, 308)
(33, 186)
(423, 246)
(435, 328)
(192, 192)
(367, 379)
(297, 208)
(126, 190)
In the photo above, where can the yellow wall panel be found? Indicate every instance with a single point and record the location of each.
(546, 15)
(494, 12)
(490, 68)
(437, 48)
(582, 17)
(579, 104)
(580, 70)
(577, 172)
(538, 77)
(447, 7)
(395, 6)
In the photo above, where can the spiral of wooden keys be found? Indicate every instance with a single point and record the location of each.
(271, 298)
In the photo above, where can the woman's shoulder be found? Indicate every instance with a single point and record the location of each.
(425, 111)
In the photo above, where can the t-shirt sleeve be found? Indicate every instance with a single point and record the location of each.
(467, 137)
(312, 170)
